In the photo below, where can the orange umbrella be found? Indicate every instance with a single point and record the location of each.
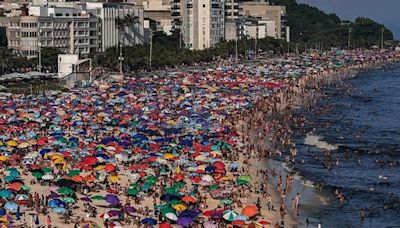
(16, 186)
(189, 199)
(77, 178)
(90, 178)
(250, 210)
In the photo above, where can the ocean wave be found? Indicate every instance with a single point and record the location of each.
(315, 140)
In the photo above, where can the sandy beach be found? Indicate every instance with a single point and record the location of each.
(190, 150)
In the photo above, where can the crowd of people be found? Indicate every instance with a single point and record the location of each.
(183, 150)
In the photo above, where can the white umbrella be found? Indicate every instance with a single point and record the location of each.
(171, 216)
(207, 178)
(48, 177)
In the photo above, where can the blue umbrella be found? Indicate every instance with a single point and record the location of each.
(149, 221)
(59, 210)
(11, 206)
(2, 212)
(56, 203)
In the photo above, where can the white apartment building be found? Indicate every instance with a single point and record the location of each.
(74, 34)
(110, 34)
(202, 23)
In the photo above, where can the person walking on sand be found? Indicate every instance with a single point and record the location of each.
(48, 221)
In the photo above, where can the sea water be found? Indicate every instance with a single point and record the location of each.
(359, 122)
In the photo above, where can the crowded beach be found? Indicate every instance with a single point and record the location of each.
(185, 150)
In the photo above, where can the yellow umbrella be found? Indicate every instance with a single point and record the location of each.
(179, 207)
(59, 161)
(168, 156)
(114, 179)
(3, 158)
(201, 167)
(1, 143)
(12, 143)
(100, 167)
(226, 178)
(178, 169)
(56, 157)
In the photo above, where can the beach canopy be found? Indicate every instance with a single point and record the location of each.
(250, 211)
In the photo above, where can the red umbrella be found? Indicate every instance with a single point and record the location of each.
(165, 225)
(89, 160)
(238, 223)
(264, 222)
(179, 177)
(219, 165)
(109, 168)
(189, 199)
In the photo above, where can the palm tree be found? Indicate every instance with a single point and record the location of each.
(126, 22)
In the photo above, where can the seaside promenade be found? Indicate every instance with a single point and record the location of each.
(187, 150)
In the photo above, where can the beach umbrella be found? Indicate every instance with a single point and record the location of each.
(74, 172)
(21, 197)
(11, 206)
(2, 212)
(7, 218)
(171, 216)
(133, 191)
(250, 211)
(47, 177)
(189, 199)
(98, 197)
(115, 224)
(16, 186)
(179, 207)
(5, 193)
(105, 215)
(38, 175)
(68, 200)
(149, 221)
(165, 225)
(89, 224)
(264, 222)
(229, 215)
(47, 170)
(112, 199)
(66, 191)
(238, 223)
(244, 179)
(184, 221)
(56, 203)
(242, 217)
(59, 210)
(86, 199)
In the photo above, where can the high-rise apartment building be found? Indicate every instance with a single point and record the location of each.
(202, 23)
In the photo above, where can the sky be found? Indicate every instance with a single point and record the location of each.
(383, 11)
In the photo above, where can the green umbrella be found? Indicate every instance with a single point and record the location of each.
(74, 172)
(47, 170)
(68, 200)
(178, 185)
(38, 175)
(166, 210)
(226, 201)
(26, 188)
(151, 179)
(213, 187)
(133, 191)
(97, 197)
(244, 179)
(170, 190)
(215, 147)
(65, 191)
